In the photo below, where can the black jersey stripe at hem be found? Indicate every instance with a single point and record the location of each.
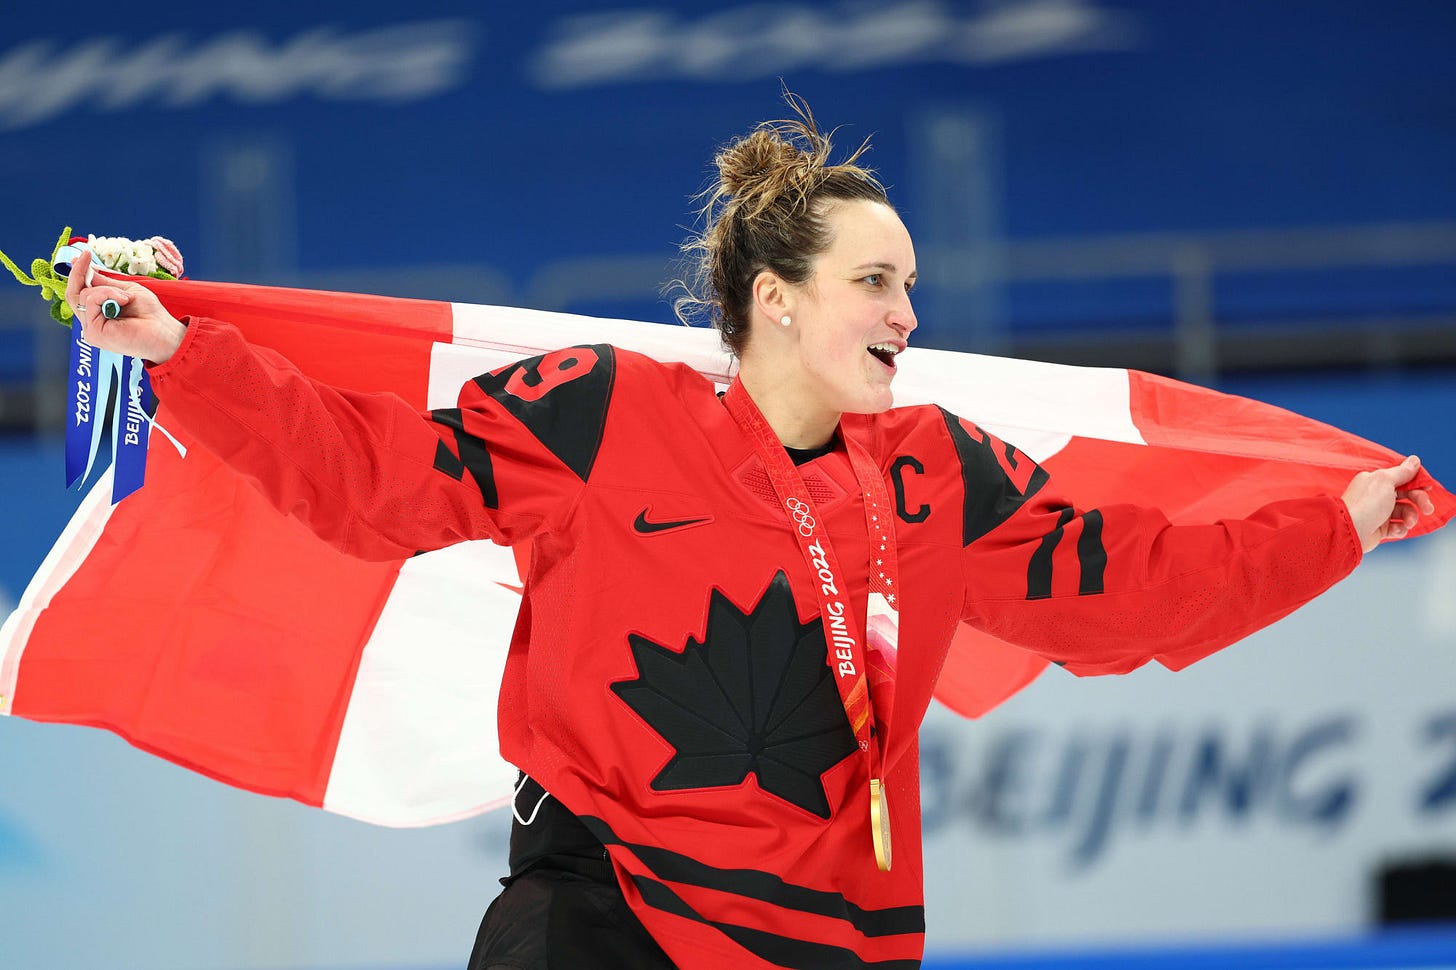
(766, 888)
(782, 951)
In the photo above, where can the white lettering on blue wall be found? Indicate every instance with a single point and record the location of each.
(43, 79)
(1090, 789)
(767, 40)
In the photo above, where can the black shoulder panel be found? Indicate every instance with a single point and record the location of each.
(561, 398)
(992, 495)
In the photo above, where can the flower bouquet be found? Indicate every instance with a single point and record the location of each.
(156, 257)
(108, 395)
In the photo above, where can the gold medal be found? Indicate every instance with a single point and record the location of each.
(880, 823)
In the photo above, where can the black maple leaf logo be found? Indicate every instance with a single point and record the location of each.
(754, 696)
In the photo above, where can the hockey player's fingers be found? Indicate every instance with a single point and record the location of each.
(77, 280)
(1398, 475)
(1419, 498)
(1371, 498)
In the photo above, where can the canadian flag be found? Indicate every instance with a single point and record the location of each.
(204, 627)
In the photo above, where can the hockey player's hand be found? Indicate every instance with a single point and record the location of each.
(143, 328)
(1381, 507)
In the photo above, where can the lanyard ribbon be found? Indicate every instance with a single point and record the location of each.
(863, 666)
(106, 391)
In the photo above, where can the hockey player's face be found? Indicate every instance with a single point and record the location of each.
(854, 314)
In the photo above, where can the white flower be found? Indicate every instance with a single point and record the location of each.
(124, 255)
(136, 258)
(111, 250)
(141, 261)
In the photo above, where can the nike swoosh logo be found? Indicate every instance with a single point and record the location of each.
(646, 528)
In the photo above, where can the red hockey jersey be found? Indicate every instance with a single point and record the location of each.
(667, 680)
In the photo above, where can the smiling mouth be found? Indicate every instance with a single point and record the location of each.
(885, 354)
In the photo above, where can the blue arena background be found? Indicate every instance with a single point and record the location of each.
(568, 139)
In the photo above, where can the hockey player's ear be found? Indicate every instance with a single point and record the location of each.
(773, 299)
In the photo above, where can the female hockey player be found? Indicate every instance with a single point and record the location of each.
(738, 605)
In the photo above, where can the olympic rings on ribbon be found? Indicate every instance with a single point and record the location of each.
(799, 509)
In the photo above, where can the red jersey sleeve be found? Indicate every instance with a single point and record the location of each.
(1105, 590)
(372, 475)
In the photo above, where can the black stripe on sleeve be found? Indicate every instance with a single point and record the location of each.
(767, 887)
(1039, 571)
(446, 462)
(1091, 553)
(781, 951)
(474, 457)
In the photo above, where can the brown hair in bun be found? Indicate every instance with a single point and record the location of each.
(766, 212)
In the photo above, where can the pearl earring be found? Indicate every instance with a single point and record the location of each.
(785, 320)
